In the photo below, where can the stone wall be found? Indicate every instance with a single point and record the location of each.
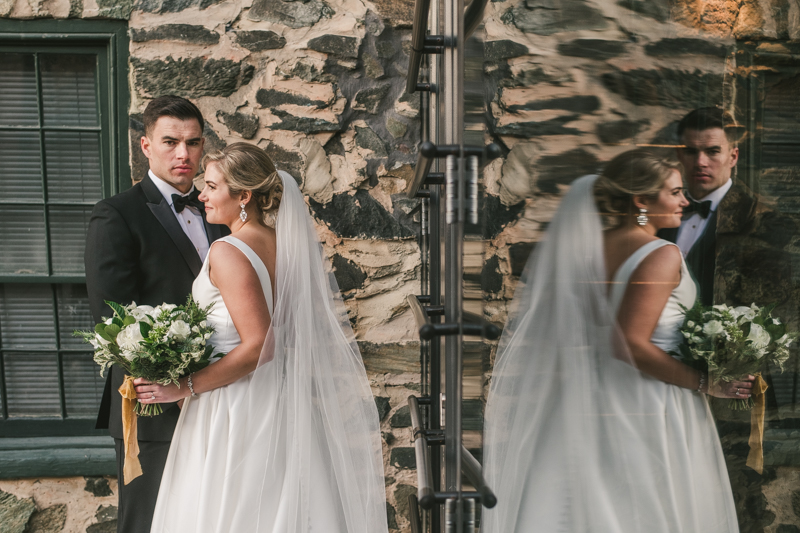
(320, 86)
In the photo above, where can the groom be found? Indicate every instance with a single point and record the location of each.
(147, 244)
(709, 154)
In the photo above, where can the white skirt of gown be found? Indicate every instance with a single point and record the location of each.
(218, 478)
(661, 469)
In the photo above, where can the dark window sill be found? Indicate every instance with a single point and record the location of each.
(57, 457)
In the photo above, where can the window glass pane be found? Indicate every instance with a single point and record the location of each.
(32, 384)
(69, 97)
(73, 166)
(26, 316)
(21, 179)
(22, 240)
(73, 314)
(68, 227)
(782, 110)
(18, 90)
(83, 386)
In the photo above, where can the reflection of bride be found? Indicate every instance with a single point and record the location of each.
(590, 425)
(282, 435)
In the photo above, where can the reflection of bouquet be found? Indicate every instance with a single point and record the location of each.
(160, 344)
(732, 342)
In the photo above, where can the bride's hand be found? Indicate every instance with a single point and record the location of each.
(737, 390)
(148, 392)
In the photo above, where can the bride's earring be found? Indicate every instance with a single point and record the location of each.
(641, 218)
(243, 213)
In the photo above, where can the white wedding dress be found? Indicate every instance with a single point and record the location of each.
(577, 440)
(294, 446)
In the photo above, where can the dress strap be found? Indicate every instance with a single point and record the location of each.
(624, 272)
(258, 266)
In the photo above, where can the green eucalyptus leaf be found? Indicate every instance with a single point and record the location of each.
(118, 309)
(128, 320)
(100, 329)
(113, 330)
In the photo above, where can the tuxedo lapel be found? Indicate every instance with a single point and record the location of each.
(163, 212)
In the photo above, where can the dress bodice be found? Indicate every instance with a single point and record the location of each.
(667, 335)
(225, 337)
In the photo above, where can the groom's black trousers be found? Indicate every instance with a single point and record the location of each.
(138, 498)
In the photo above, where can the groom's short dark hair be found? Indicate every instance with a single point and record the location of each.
(707, 118)
(170, 106)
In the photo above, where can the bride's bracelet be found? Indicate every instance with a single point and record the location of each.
(703, 379)
(190, 385)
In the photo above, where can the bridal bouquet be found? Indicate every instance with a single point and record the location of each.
(732, 342)
(160, 344)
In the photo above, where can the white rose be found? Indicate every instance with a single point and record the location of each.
(690, 324)
(179, 330)
(142, 312)
(713, 328)
(203, 323)
(748, 313)
(128, 339)
(784, 341)
(130, 356)
(758, 336)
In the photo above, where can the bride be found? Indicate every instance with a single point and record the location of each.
(281, 434)
(591, 426)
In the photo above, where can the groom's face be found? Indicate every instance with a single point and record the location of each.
(174, 148)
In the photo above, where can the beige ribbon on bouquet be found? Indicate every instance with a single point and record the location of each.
(755, 459)
(132, 467)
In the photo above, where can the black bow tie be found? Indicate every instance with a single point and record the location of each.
(701, 208)
(190, 200)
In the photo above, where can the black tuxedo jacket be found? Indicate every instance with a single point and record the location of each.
(734, 222)
(137, 251)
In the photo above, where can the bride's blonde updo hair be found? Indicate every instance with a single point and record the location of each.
(246, 167)
(638, 172)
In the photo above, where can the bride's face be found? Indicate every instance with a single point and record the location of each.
(221, 207)
(666, 210)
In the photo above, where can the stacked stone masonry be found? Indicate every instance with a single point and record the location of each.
(320, 85)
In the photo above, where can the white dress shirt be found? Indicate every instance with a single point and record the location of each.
(190, 218)
(693, 227)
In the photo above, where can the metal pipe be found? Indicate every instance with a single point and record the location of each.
(472, 469)
(413, 511)
(473, 16)
(427, 152)
(472, 186)
(489, 330)
(425, 492)
(450, 178)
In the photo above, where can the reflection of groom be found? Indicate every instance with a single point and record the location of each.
(147, 245)
(709, 154)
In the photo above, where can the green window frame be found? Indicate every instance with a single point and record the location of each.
(42, 281)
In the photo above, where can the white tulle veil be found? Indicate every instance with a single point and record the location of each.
(317, 458)
(564, 447)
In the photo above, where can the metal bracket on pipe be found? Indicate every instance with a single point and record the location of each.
(429, 151)
(474, 325)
